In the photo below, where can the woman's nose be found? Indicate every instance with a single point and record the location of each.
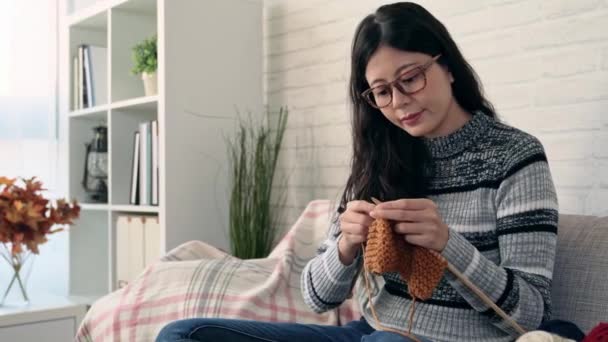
(399, 98)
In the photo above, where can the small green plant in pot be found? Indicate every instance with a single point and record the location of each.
(145, 59)
(253, 157)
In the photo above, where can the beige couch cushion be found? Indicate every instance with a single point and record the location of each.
(580, 276)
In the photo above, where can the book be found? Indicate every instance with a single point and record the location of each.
(145, 163)
(97, 86)
(86, 66)
(136, 246)
(134, 193)
(122, 251)
(80, 78)
(83, 78)
(75, 87)
(152, 248)
(155, 168)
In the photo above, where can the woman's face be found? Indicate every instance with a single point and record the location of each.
(429, 112)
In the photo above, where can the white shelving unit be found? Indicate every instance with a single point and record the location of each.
(210, 64)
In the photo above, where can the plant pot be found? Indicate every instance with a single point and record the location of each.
(150, 85)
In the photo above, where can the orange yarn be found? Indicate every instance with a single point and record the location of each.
(389, 252)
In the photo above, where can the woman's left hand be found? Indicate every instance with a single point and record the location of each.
(417, 219)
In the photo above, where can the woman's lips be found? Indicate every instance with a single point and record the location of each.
(412, 118)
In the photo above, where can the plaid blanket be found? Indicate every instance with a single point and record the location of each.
(198, 280)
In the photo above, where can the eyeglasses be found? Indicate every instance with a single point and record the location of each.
(407, 83)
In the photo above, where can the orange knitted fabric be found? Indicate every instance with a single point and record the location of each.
(387, 251)
(419, 267)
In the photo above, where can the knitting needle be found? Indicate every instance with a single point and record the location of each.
(475, 289)
(483, 296)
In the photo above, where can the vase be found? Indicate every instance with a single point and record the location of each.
(150, 85)
(14, 287)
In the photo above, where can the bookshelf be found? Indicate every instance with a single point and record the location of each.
(209, 64)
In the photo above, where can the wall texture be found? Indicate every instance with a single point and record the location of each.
(544, 65)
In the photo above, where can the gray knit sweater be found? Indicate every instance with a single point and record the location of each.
(494, 190)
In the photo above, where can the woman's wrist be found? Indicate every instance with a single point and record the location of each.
(346, 252)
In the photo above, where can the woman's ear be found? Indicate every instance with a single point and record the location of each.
(450, 76)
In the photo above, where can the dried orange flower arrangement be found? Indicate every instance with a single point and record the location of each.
(26, 218)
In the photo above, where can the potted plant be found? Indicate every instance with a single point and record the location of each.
(26, 219)
(145, 59)
(253, 157)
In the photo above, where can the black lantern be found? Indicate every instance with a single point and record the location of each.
(95, 177)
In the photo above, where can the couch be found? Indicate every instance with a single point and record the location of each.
(580, 276)
(198, 280)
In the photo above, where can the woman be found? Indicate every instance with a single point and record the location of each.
(452, 178)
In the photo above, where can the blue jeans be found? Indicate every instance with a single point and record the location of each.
(229, 330)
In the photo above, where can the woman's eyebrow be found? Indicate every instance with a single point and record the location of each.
(397, 72)
(404, 66)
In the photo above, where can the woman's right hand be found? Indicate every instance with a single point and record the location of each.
(354, 224)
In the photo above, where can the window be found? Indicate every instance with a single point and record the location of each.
(28, 118)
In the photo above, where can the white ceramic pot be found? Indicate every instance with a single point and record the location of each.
(150, 85)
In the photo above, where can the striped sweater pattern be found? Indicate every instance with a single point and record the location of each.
(493, 187)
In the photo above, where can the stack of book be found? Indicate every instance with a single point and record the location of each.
(137, 246)
(89, 76)
(145, 170)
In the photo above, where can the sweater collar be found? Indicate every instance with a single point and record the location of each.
(445, 146)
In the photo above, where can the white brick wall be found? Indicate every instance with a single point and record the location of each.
(544, 65)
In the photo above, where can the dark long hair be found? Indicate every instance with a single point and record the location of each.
(388, 163)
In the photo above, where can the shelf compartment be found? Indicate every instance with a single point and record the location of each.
(81, 132)
(89, 239)
(114, 243)
(125, 122)
(132, 22)
(91, 31)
